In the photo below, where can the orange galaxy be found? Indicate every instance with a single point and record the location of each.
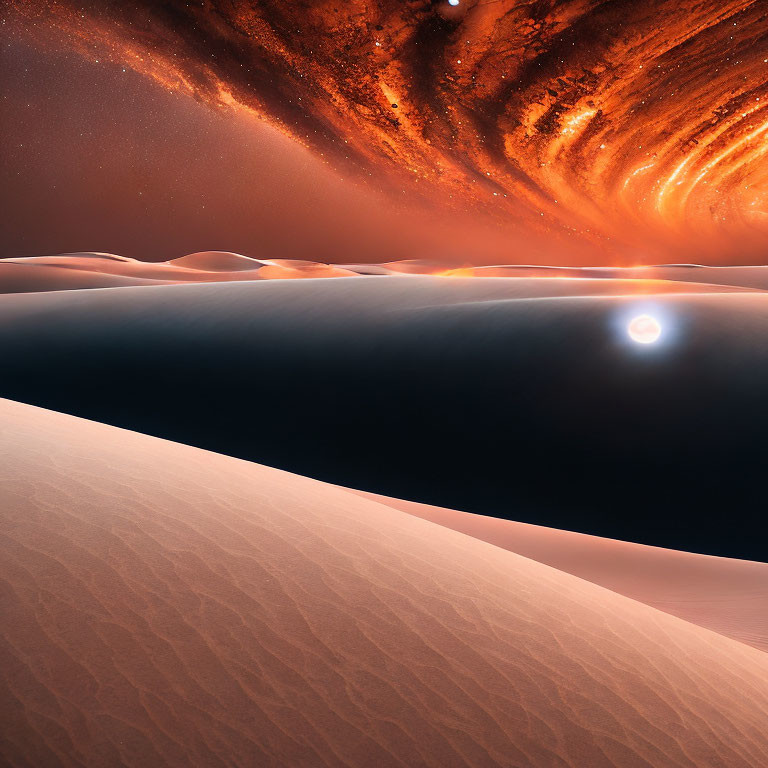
(636, 131)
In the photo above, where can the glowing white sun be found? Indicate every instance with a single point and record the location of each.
(644, 329)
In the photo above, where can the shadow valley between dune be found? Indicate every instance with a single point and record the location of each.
(514, 397)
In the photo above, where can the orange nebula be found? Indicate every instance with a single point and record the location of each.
(638, 128)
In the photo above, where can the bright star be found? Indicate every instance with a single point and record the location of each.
(644, 329)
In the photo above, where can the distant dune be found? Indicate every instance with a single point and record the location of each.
(69, 271)
(103, 270)
(753, 277)
(164, 606)
(513, 397)
(215, 261)
(20, 277)
(725, 595)
(282, 269)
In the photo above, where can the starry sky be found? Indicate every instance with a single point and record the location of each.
(559, 132)
(97, 157)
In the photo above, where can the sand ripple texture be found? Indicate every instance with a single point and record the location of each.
(726, 595)
(165, 606)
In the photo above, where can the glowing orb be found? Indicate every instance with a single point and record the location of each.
(644, 329)
(453, 2)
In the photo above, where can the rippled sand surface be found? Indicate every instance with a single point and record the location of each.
(168, 606)
(722, 594)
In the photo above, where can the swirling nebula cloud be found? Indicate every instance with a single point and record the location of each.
(633, 128)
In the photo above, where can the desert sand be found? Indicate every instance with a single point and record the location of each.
(19, 277)
(753, 277)
(68, 271)
(167, 606)
(522, 398)
(722, 594)
(71, 271)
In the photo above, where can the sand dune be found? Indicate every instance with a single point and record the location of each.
(105, 263)
(286, 269)
(752, 277)
(215, 261)
(522, 390)
(169, 607)
(102, 270)
(19, 277)
(725, 595)
(755, 277)
(46, 273)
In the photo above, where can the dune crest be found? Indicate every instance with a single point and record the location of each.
(284, 269)
(168, 606)
(728, 596)
(216, 261)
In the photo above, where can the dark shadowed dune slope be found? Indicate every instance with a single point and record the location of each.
(519, 398)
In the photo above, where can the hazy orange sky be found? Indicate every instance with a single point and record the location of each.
(565, 133)
(97, 157)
